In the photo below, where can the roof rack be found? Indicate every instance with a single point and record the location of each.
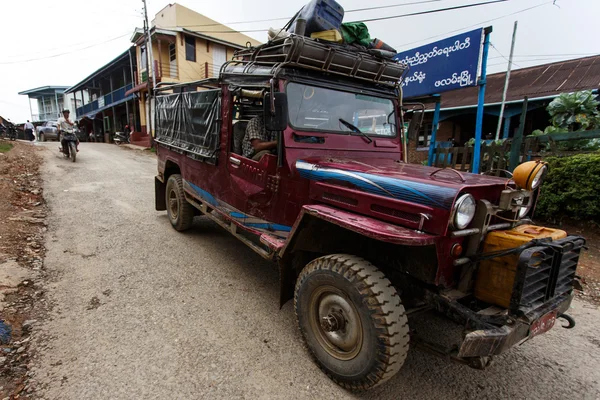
(306, 53)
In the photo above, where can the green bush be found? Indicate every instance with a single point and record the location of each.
(571, 189)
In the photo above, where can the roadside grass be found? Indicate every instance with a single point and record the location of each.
(5, 147)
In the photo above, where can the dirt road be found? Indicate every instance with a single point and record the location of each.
(144, 312)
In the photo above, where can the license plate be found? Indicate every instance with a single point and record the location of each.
(543, 324)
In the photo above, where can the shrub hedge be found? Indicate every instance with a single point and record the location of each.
(571, 188)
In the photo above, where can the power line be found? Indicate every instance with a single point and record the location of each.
(549, 60)
(65, 53)
(376, 19)
(475, 25)
(548, 55)
(54, 48)
(288, 18)
(434, 11)
(502, 55)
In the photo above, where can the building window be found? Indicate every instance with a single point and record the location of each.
(172, 52)
(424, 135)
(190, 48)
(143, 58)
(47, 105)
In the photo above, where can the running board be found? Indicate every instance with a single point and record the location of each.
(230, 225)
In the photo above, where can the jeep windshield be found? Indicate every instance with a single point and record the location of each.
(313, 108)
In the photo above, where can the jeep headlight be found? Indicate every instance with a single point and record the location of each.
(464, 211)
(524, 204)
(529, 175)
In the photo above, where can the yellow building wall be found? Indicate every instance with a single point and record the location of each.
(142, 110)
(186, 70)
(161, 55)
(175, 15)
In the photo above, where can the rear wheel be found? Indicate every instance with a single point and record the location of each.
(42, 137)
(73, 150)
(180, 212)
(352, 320)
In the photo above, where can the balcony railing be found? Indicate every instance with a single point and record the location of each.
(45, 116)
(104, 101)
(168, 71)
(163, 70)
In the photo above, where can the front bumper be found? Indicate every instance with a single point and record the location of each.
(542, 291)
(495, 340)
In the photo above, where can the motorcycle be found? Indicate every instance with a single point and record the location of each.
(10, 131)
(70, 148)
(121, 137)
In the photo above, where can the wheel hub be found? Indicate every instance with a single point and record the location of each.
(333, 322)
(173, 204)
(336, 323)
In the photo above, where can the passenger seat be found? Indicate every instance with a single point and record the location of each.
(239, 131)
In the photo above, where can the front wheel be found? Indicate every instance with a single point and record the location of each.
(180, 212)
(352, 320)
(73, 151)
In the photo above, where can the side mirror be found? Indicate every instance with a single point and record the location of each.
(415, 125)
(278, 120)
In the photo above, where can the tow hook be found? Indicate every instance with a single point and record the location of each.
(569, 319)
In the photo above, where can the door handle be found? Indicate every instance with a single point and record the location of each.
(235, 161)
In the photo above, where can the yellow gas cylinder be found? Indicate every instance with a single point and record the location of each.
(496, 277)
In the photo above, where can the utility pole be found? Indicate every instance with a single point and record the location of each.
(149, 70)
(510, 59)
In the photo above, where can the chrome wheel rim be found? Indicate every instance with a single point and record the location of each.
(335, 323)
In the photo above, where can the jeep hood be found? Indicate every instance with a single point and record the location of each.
(427, 186)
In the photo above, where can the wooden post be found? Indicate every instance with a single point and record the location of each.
(515, 149)
(160, 57)
(506, 127)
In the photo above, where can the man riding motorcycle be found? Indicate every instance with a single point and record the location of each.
(66, 125)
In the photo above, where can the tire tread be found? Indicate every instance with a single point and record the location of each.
(186, 210)
(386, 309)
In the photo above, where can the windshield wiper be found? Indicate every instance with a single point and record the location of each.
(353, 128)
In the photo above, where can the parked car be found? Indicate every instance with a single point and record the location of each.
(47, 131)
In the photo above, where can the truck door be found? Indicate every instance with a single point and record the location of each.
(254, 183)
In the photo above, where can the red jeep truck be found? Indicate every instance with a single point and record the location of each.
(362, 239)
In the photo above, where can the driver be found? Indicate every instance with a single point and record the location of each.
(65, 124)
(258, 141)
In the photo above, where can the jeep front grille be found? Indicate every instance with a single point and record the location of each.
(544, 272)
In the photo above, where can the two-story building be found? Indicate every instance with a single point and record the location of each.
(51, 100)
(186, 46)
(105, 106)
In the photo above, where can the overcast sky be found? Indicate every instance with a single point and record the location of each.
(92, 32)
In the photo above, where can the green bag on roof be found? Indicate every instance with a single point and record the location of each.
(356, 32)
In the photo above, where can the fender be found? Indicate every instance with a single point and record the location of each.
(366, 226)
(291, 263)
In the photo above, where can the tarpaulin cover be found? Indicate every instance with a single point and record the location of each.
(356, 32)
(189, 121)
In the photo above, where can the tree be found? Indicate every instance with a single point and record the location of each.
(571, 112)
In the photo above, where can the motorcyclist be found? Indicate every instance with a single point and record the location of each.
(65, 124)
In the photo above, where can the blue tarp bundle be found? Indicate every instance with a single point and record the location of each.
(5, 332)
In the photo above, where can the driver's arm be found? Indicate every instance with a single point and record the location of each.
(259, 145)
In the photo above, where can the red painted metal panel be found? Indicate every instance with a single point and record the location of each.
(368, 227)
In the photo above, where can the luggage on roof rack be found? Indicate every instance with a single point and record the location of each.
(303, 52)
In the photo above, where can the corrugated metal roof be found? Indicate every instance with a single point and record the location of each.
(103, 69)
(540, 81)
(44, 90)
